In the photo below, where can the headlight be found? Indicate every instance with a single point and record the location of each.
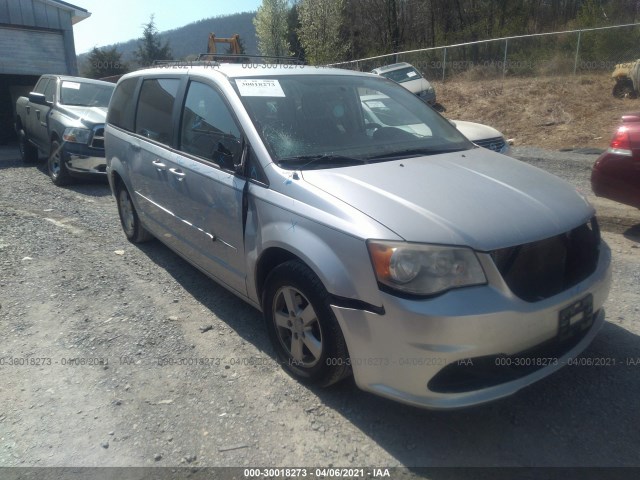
(506, 147)
(76, 135)
(420, 269)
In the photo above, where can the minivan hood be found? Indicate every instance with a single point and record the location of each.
(475, 198)
(89, 116)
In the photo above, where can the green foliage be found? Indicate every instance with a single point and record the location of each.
(271, 28)
(104, 62)
(321, 23)
(592, 14)
(293, 26)
(606, 46)
(150, 46)
(376, 27)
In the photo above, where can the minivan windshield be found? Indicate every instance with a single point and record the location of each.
(326, 121)
(85, 94)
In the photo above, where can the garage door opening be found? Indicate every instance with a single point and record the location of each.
(12, 87)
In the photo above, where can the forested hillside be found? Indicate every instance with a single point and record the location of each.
(374, 27)
(192, 38)
(326, 31)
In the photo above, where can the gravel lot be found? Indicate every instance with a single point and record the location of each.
(103, 323)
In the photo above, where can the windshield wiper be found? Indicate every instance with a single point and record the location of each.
(319, 161)
(413, 152)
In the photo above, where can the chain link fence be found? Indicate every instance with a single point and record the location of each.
(593, 50)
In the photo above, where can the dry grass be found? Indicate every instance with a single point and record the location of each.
(550, 112)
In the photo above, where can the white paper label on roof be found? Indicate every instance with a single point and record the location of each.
(259, 87)
(411, 74)
(72, 85)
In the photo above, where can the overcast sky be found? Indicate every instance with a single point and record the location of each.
(121, 20)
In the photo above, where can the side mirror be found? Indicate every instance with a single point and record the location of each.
(227, 150)
(38, 99)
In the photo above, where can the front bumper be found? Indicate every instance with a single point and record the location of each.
(398, 354)
(84, 160)
(428, 97)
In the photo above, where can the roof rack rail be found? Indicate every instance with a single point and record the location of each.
(185, 63)
(245, 58)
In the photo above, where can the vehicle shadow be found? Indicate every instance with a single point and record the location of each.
(633, 233)
(583, 415)
(89, 186)
(237, 314)
(10, 157)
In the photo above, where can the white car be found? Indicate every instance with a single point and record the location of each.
(406, 75)
(483, 136)
(382, 112)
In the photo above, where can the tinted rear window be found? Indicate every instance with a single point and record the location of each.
(155, 106)
(122, 106)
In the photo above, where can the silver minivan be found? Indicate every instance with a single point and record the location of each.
(438, 273)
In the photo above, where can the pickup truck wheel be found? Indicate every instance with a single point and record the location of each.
(56, 165)
(302, 327)
(28, 153)
(129, 219)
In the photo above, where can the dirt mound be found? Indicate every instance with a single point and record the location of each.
(551, 112)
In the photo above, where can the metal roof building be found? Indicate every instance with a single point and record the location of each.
(36, 37)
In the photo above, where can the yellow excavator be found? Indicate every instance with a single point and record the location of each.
(627, 77)
(212, 52)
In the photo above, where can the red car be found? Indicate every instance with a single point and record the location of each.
(616, 173)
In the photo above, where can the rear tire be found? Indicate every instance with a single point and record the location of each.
(302, 327)
(624, 89)
(133, 229)
(28, 153)
(57, 166)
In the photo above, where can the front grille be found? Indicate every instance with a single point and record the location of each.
(98, 138)
(539, 270)
(495, 144)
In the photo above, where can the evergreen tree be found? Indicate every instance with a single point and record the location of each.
(150, 46)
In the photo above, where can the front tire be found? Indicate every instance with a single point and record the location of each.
(28, 153)
(624, 89)
(133, 229)
(57, 166)
(302, 327)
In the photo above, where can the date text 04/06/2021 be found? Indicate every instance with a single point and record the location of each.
(286, 472)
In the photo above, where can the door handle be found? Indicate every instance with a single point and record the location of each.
(178, 173)
(159, 165)
(28, 109)
(38, 114)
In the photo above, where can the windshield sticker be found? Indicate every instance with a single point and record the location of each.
(259, 88)
(375, 104)
(411, 74)
(72, 85)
